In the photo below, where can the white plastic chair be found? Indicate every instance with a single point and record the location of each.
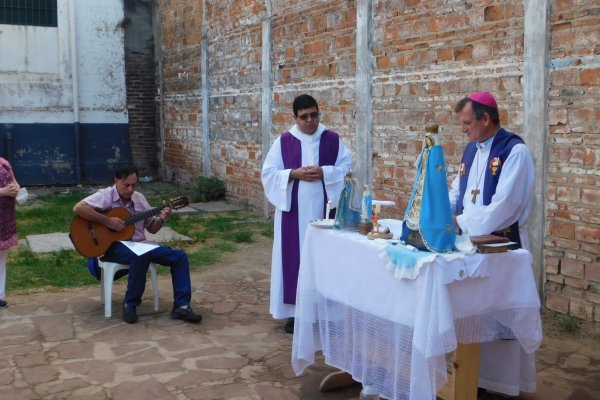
(108, 270)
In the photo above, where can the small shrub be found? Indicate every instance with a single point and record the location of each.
(208, 189)
(569, 323)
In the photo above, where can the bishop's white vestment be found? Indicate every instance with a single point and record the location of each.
(504, 365)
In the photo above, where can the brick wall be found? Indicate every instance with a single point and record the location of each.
(234, 48)
(179, 81)
(313, 51)
(573, 230)
(234, 77)
(425, 55)
(428, 55)
(140, 83)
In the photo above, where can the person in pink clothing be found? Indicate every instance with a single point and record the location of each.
(8, 221)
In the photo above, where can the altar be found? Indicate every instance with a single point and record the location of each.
(395, 333)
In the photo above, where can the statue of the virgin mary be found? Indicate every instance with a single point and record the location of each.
(428, 223)
(348, 212)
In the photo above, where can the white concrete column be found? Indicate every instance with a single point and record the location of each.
(266, 92)
(363, 159)
(205, 94)
(535, 121)
(158, 54)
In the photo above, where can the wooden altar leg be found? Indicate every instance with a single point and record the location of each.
(463, 374)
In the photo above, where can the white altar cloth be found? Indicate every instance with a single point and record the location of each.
(395, 333)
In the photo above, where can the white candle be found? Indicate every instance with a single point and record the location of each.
(327, 209)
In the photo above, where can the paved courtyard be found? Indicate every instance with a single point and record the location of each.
(58, 345)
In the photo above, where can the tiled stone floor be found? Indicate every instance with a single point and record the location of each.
(59, 346)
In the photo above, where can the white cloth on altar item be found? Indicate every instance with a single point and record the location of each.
(278, 189)
(394, 225)
(499, 357)
(365, 277)
(404, 327)
(410, 268)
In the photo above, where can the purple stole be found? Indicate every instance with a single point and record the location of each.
(291, 153)
(501, 147)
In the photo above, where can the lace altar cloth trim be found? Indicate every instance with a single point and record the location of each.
(395, 332)
(403, 362)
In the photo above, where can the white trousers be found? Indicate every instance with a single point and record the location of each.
(3, 258)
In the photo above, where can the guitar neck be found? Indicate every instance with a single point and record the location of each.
(143, 215)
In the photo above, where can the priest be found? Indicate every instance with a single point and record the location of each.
(493, 194)
(303, 171)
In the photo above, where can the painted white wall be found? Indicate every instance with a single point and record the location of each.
(35, 67)
(29, 49)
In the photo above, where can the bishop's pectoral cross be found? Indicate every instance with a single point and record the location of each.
(474, 192)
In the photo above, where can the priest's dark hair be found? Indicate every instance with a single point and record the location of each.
(303, 102)
(479, 109)
(124, 171)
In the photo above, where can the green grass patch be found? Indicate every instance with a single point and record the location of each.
(63, 269)
(219, 224)
(213, 234)
(47, 214)
(241, 237)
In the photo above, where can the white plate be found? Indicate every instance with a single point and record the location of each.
(323, 223)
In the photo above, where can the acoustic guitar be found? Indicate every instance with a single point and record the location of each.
(92, 239)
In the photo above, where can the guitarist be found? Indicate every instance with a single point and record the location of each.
(123, 194)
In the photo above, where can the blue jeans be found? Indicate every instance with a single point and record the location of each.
(176, 259)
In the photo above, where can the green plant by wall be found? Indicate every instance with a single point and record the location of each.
(208, 189)
(569, 323)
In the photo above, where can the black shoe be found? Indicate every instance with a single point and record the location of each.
(129, 314)
(483, 394)
(185, 313)
(3, 304)
(289, 326)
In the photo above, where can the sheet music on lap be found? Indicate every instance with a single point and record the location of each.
(139, 248)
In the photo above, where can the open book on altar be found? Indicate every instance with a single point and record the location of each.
(492, 243)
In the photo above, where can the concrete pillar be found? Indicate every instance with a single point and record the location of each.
(535, 121)
(363, 159)
(205, 94)
(266, 92)
(158, 54)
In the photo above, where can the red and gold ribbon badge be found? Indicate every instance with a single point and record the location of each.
(495, 164)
